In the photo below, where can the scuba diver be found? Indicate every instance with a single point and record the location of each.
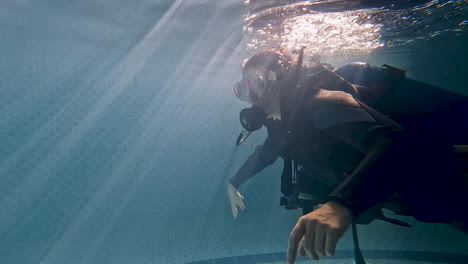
(353, 140)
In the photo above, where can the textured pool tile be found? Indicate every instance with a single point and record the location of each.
(210, 261)
(344, 254)
(248, 259)
(228, 260)
(262, 258)
(281, 256)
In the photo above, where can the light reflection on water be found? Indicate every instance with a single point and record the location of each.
(343, 28)
(325, 33)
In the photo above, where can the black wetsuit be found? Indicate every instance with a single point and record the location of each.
(349, 153)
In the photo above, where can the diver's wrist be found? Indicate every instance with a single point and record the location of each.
(338, 204)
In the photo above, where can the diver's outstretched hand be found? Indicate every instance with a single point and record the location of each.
(235, 199)
(317, 233)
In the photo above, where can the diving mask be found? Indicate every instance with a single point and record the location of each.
(250, 88)
(253, 86)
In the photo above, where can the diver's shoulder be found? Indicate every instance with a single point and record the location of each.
(331, 108)
(327, 98)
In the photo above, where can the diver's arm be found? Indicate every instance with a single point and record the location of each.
(263, 156)
(390, 165)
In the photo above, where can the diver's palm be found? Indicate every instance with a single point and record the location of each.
(235, 199)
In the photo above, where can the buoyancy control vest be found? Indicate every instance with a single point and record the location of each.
(297, 170)
(415, 105)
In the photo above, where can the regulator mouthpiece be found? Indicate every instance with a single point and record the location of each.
(251, 119)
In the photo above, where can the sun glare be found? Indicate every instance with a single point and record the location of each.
(322, 33)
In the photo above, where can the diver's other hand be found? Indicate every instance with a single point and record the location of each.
(317, 233)
(235, 199)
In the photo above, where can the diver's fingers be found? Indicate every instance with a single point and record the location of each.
(296, 235)
(331, 241)
(320, 236)
(234, 211)
(240, 196)
(301, 248)
(241, 205)
(309, 241)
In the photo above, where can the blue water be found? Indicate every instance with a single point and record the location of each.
(118, 124)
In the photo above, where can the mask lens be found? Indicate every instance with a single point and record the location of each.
(241, 91)
(251, 89)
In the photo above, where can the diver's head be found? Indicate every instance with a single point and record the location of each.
(263, 76)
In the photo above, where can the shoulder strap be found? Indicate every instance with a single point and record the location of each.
(377, 115)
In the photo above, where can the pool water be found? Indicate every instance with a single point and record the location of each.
(118, 125)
